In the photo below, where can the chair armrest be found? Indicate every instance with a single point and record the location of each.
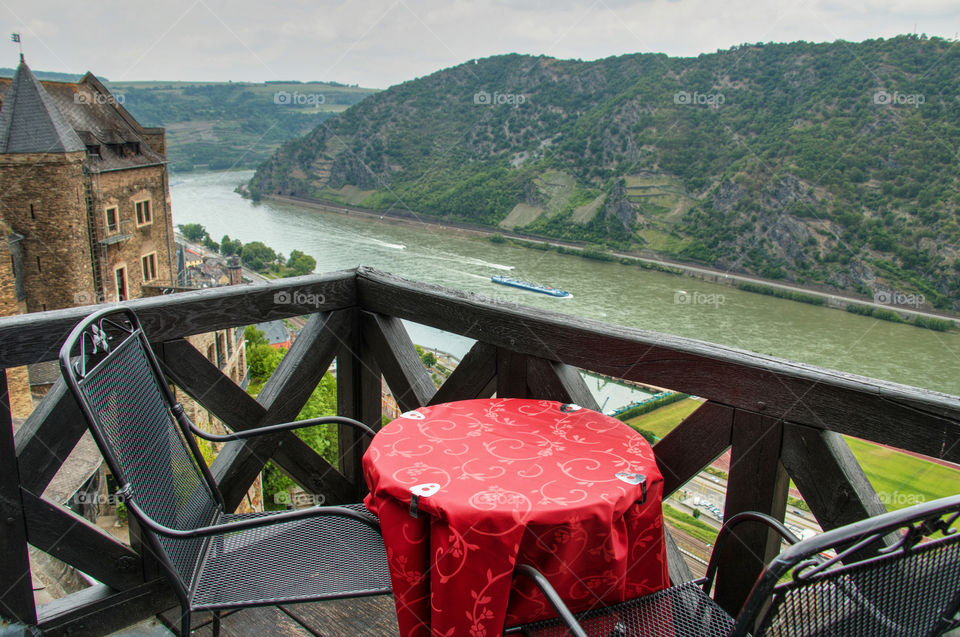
(725, 532)
(554, 598)
(268, 429)
(240, 525)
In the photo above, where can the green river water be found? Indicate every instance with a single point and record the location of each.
(609, 292)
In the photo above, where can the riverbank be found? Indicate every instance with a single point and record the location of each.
(929, 319)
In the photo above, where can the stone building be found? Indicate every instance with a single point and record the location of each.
(85, 189)
(85, 218)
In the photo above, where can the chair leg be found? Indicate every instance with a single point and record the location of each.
(216, 623)
(184, 623)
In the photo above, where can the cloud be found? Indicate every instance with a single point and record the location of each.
(383, 42)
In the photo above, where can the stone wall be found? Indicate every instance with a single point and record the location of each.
(122, 190)
(42, 197)
(18, 382)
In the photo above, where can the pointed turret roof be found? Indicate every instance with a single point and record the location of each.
(30, 122)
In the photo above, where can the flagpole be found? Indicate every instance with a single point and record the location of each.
(15, 37)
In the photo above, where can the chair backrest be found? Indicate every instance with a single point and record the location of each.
(849, 582)
(109, 366)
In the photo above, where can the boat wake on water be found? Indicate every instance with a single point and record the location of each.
(385, 244)
(456, 258)
(486, 264)
(471, 275)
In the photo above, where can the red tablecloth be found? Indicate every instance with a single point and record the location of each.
(507, 481)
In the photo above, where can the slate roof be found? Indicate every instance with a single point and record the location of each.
(275, 332)
(39, 117)
(30, 122)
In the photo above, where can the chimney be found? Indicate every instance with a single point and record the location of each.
(234, 270)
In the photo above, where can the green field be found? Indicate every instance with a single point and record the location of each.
(901, 479)
(662, 421)
(662, 241)
(689, 525)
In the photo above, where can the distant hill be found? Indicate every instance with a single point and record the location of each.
(222, 125)
(824, 164)
(53, 76)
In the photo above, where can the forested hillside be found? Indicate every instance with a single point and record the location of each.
(224, 125)
(831, 164)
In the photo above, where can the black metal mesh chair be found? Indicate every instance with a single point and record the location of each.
(845, 582)
(215, 560)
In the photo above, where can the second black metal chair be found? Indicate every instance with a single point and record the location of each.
(852, 581)
(214, 559)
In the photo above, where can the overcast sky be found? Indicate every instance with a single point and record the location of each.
(377, 43)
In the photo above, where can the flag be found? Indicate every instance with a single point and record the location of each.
(15, 37)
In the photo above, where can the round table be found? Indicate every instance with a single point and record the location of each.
(467, 490)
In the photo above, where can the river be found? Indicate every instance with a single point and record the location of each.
(610, 292)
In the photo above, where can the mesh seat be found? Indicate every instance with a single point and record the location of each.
(274, 564)
(214, 559)
(893, 575)
(681, 611)
(894, 597)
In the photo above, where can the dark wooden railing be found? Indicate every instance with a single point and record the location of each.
(782, 419)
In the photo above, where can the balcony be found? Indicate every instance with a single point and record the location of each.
(781, 420)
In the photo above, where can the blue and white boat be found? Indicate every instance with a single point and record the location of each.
(527, 285)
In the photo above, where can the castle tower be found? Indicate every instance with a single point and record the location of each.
(86, 187)
(42, 196)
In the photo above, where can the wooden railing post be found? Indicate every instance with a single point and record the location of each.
(757, 482)
(511, 374)
(358, 397)
(16, 585)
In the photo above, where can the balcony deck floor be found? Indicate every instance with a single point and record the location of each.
(363, 616)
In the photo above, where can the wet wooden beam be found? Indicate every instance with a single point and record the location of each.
(511, 374)
(16, 585)
(359, 396)
(676, 564)
(203, 381)
(36, 337)
(283, 396)
(100, 610)
(474, 377)
(757, 482)
(828, 476)
(408, 379)
(556, 381)
(693, 444)
(48, 436)
(193, 373)
(81, 544)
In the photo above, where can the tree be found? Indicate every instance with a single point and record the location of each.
(210, 244)
(263, 360)
(253, 336)
(300, 263)
(230, 247)
(257, 255)
(193, 231)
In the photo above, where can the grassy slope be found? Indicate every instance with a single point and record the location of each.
(899, 478)
(661, 421)
(690, 525)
